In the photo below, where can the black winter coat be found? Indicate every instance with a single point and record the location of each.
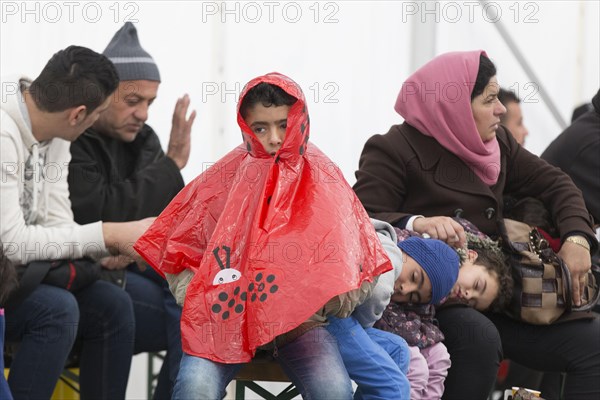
(577, 152)
(114, 181)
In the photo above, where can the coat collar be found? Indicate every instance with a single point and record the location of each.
(450, 171)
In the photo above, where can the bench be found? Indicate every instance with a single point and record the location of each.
(262, 368)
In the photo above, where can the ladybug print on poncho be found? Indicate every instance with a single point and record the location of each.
(256, 291)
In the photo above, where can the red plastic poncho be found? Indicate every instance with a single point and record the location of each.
(270, 239)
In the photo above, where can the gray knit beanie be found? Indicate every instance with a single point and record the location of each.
(132, 62)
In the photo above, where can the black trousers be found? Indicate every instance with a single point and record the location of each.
(477, 343)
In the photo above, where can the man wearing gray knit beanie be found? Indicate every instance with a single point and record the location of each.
(119, 172)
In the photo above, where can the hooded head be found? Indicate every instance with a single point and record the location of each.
(436, 100)
(265, 109)
(271, 108)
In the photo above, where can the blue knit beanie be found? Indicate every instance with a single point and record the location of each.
(130, 59)
(439, 261)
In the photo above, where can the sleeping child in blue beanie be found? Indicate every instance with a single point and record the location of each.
(483, 283)
(425, 270)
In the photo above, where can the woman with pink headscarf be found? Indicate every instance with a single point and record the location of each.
(451, 157)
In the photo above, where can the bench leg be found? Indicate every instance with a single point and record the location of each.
(286, 394)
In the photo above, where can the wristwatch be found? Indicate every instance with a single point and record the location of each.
(580, 240)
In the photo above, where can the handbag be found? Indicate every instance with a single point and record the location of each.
(72, 275)
(542, 281)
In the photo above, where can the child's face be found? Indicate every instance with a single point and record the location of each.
(269, 125)
(475, 284)
(413, 284)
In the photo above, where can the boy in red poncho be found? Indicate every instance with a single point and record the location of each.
(263, 246)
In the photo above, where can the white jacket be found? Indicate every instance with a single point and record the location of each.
(35, 210)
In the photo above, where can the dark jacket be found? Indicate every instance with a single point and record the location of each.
(114, 181)
(406, 173)
(577, 152)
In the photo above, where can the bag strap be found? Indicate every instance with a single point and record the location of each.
(33, 275)
(566, 284)
(595, 272)
(547, 255)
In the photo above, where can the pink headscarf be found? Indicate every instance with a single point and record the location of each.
(436, 100)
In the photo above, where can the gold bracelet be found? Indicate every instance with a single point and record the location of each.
(580, 240)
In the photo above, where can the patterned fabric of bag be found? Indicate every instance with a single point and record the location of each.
(542, 282)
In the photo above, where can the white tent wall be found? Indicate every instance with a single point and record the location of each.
(560, 41)
(350, 58)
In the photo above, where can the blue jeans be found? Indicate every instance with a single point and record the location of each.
(47, 324)
(4, 390)
(376, 360)
(311, 361)
(157, 324)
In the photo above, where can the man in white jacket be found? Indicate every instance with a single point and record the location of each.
(38, 121)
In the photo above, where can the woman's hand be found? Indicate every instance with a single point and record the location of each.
(579, 262)
(443, 228)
